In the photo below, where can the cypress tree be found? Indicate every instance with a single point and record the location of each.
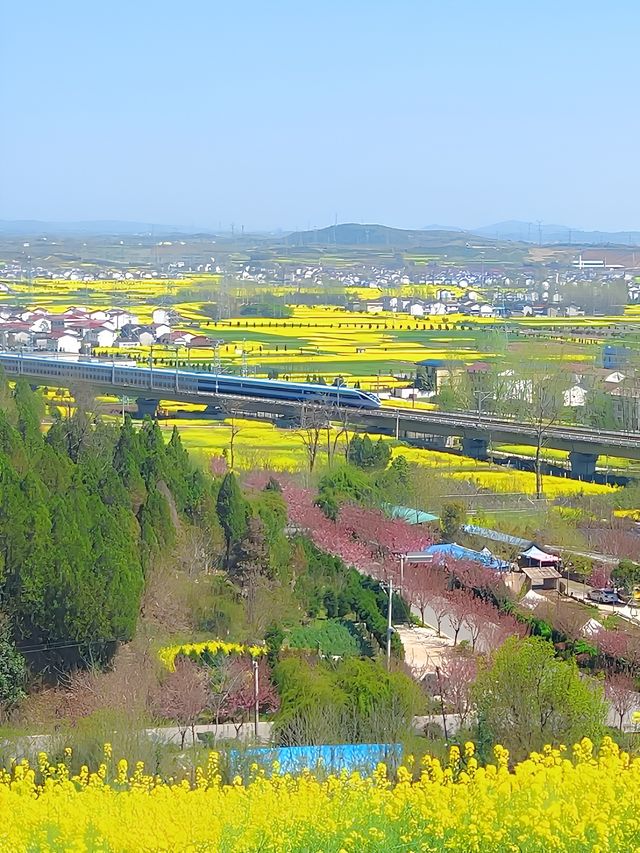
(233, 512)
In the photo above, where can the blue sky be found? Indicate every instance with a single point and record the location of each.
(284, 114)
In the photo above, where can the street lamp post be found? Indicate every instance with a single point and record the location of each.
(389, 625)
(256, 698)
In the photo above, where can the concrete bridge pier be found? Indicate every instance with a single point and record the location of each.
(146, 406)
(476, 447)
(583, 465)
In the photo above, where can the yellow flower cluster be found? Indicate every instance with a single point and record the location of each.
(168, 654)
(547, 803)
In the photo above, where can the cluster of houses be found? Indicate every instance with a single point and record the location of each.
(613, 375)
(472, 304)
(78, 330)
(20, 271)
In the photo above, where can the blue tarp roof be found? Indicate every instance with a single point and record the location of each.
(457, 552)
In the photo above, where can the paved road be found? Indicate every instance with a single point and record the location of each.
(446, 629)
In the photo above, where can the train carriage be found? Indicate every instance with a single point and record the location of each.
(58, 370)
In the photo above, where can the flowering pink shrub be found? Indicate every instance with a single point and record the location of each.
(218, 466)
(600, 577)
(364, 538)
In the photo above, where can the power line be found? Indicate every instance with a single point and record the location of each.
(61, 645)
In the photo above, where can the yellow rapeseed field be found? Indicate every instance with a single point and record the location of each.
(550, 802)
(259, 444)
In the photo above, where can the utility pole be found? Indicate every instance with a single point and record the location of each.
(244, 369)
(442, 708)
(389, 626)
(151, 367)
(256, 698)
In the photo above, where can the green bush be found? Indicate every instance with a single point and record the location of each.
(354, 701)
(331, 637)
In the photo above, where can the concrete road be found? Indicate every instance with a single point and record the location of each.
(423, 649)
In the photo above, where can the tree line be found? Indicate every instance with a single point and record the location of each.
(85, 510)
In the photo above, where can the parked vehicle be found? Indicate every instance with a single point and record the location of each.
(604, 596)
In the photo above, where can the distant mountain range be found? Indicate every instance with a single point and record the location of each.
(99, 227)
(345, 234)
(548, 234)
(352, 234)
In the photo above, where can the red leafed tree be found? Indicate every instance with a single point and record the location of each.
(461, 603)
(600, 577)
(619, 689)
(477, 617)
(440, 606)
(423, 585)
(498, 627)
(383, 536)
(612, 644)
(364, 538)
(238, 701)
(218, 466)
(457, 674)
(183, 696)
(473, 576)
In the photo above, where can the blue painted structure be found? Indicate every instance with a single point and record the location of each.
(614, 357)
(453, 551)
(362, 757)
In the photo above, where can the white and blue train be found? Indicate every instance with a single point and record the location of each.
(141, 379)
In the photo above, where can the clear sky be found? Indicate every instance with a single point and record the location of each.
(283, 114)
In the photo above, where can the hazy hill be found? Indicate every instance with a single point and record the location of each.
(353, 234)
(527, 232)
(100, 227)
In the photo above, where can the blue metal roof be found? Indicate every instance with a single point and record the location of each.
(496, 535)
(457, 552)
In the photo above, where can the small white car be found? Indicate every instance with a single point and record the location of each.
(603, 596)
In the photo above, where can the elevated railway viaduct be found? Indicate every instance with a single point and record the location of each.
(150, 385)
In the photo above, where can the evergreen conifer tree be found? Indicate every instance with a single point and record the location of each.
(233, 512)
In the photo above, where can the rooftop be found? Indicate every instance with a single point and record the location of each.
(538, 574)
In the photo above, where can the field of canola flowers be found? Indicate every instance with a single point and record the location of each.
(323, 339)
(553, 801)
(258, 444)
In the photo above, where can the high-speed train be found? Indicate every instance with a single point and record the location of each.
(51, 370)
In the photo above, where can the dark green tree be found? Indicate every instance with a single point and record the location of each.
(30, 411)
(273, 638)
(13, 670)
(452, 518)
(233, 513)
